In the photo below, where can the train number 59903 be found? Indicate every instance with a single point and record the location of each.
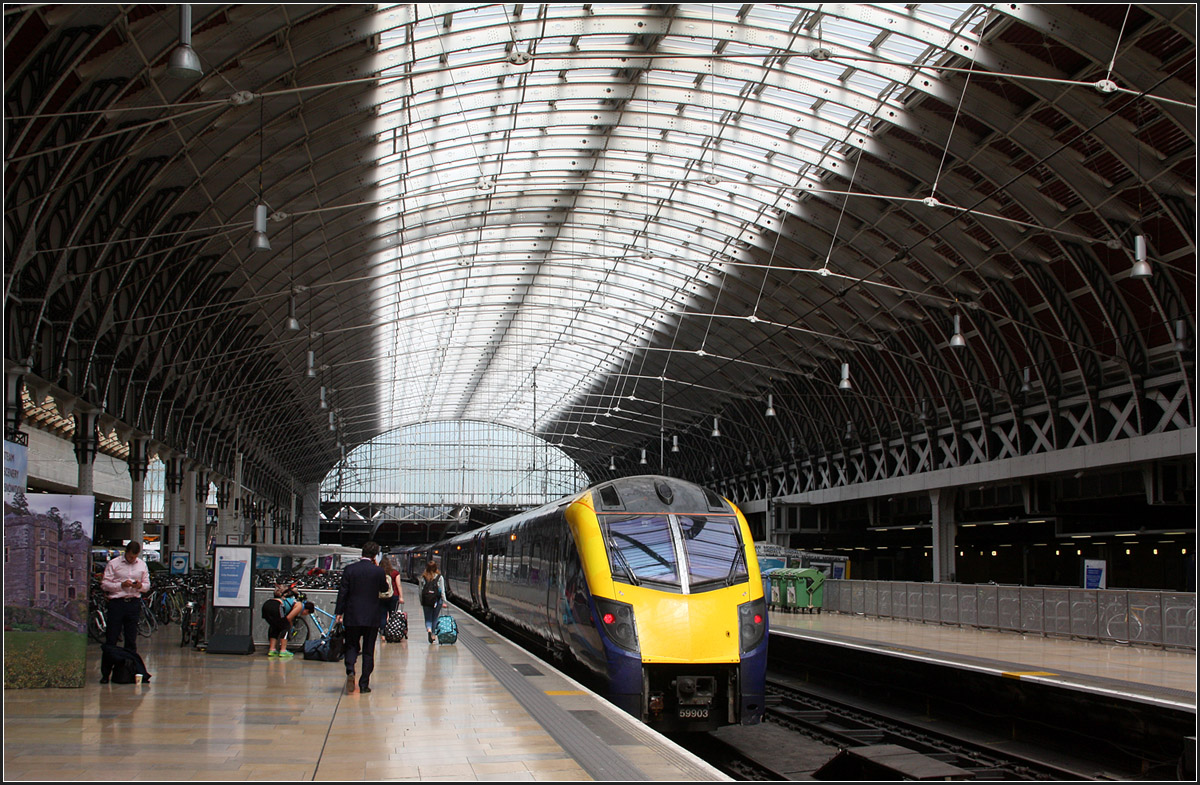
(695, 713)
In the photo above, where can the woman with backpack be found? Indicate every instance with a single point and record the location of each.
(393, 603)
(433, 593)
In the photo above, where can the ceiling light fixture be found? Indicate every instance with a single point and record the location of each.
(183, 62)
(844, 384)
(770, 406)
(643, 460)
(258, 238)
(716, 431)
(957, 341)
(1141, 267)
(612, 464)
(675, 442)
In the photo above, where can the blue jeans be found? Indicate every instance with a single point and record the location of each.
(431, 614)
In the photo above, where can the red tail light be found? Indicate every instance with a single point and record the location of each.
(609, 618)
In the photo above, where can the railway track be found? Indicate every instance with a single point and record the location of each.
(847, 726)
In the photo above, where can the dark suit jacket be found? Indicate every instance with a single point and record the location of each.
(358, 597)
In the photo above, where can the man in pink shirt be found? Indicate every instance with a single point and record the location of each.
(125, 578)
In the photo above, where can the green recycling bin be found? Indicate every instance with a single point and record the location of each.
(810, 590)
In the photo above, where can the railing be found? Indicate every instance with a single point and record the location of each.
(1155, 618)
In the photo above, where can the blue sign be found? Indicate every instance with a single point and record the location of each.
(180, 562)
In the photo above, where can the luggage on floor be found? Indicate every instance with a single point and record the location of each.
(446, 629)
(396, 627)
(120, 665)
(331, 646)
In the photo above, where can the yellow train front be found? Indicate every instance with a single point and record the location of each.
(650, 582)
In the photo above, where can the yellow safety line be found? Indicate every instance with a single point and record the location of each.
(1019, 674)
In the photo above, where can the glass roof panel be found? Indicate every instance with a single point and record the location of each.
(517, 201)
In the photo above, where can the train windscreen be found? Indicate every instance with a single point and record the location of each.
(714, 550)
(651, 548)
(641, 549)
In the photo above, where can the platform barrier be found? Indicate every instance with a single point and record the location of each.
(1155, 618)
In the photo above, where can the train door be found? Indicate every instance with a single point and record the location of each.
(483, 570)
(554, 593)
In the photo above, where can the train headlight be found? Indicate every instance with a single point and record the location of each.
(616, 619)
(752, 624)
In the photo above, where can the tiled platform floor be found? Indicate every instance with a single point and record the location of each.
(434, 713)
(1140, 669)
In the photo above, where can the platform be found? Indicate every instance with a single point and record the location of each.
(482, 709)
(1139, 673)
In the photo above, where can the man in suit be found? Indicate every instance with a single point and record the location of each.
(360, 609)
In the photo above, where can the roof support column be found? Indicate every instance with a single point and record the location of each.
(310, 522)
(945, 525)
(174, 483)
(139, 462)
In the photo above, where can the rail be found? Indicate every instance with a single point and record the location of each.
(1153, 618)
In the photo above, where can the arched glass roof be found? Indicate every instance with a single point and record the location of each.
(467, 462)
(556, 190)
(620, 227)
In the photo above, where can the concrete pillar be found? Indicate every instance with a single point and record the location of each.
(310, 523)
(139, 462)
(200, 518)
(945, 526)
(87, 443)
(238, 522)
(174, 484)
(187, 515)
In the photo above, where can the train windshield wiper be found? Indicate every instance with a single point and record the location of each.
(628, 570)
(737, 559)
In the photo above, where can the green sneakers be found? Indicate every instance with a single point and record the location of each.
(286, 655)
(272, 653)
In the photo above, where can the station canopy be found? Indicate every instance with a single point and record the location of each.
(711, 234)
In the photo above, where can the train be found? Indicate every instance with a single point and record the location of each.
(650, 583)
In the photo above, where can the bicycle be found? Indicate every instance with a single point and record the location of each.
(301, 632)
(147, 624)
(97, 623)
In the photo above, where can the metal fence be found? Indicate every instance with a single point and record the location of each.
(1156, 618)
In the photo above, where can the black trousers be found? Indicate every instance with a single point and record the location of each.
(123, 616)
(361, 639)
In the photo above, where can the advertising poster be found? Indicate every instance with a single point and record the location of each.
(47, 544)
(16, 468)
(1094, 574)
(233, 576)
(180, 562)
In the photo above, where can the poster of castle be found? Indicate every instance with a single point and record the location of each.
(47, 549)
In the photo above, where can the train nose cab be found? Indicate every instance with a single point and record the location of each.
(683, 618)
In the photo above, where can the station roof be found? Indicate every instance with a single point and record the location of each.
(617, 226)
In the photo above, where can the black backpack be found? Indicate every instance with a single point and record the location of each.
(429, 593)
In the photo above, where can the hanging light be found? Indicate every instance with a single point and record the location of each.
(312, 365)
(183, 62)
(612, 464)
(957, 341)
(331, 425)
(675, 442)
(844, 384)
(1141, 267)
(747, 457)
(1026, 385)
(324, 403)
(716, 431)
(643, 460)
(770, 406)
(1180, 335)
(258, 238)
(292, 322)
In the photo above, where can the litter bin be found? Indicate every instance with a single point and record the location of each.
(771, 587)
(810, 590)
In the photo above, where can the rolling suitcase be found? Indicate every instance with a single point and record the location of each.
(396, 627)
(446, 629)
